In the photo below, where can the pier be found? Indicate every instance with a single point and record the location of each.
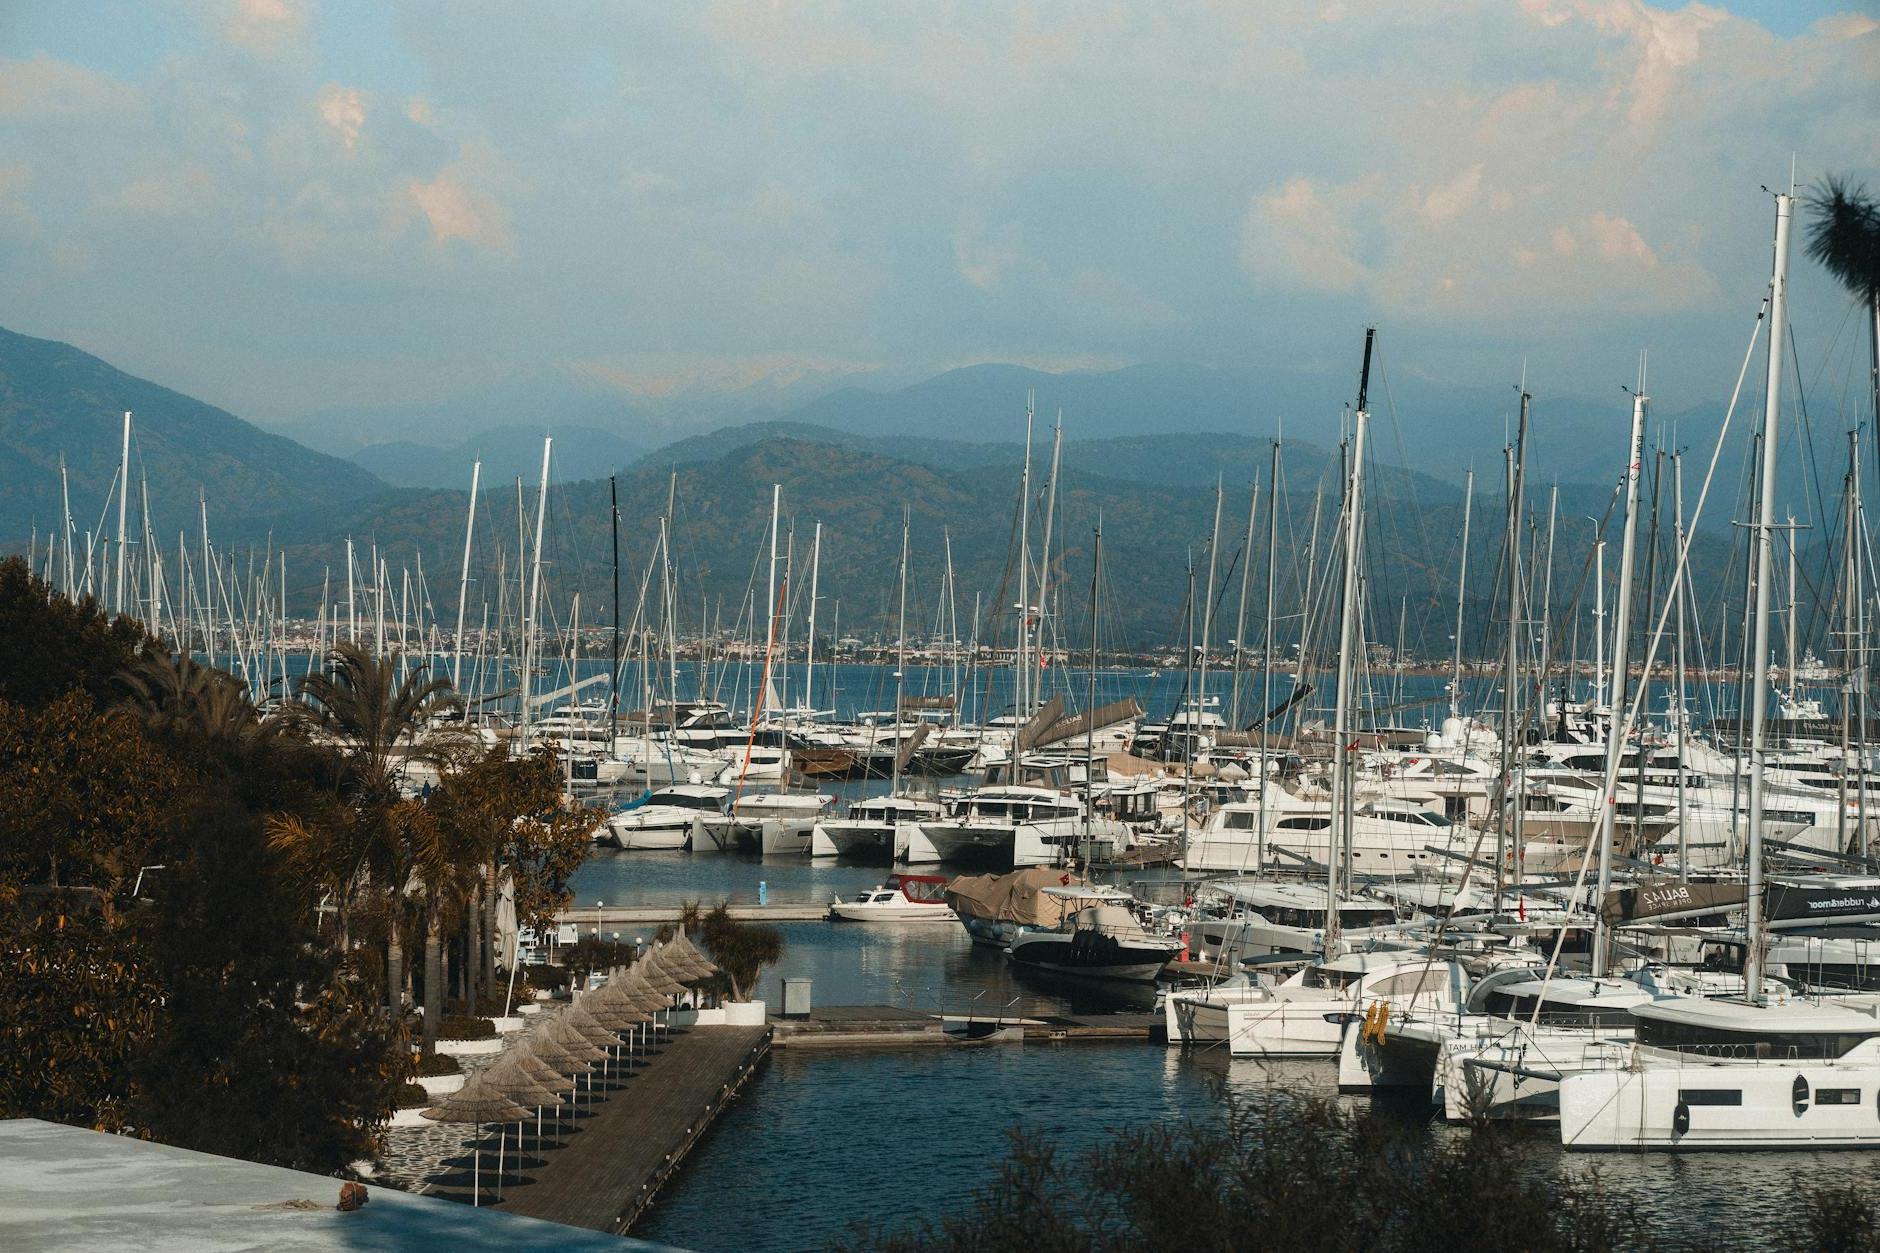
(605, 1177)
(658, 915)
(888, 1026)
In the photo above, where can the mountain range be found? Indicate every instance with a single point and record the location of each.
(946, 453)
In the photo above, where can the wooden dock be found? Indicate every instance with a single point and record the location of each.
(887, 1026)
(656, 915)
(606, 1176)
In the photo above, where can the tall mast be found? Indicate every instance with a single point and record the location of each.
(1599, 616)
(900, 660)
(613, 673)
(809, 657)
(123, 504)
(1266, 649)
(1344, 749)
(1023, 656)
(1090, 693)
(1044, 552)
(1207, 626)
(1765, 535)
(463, 578)
(1462, 588)
(1513, 799)
(770, 603)
(1615, 716)
(1677, 591)
(1240, 615)
(533, 607)
(1789, 625)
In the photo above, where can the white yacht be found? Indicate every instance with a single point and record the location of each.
(1716, 1074)
(879, 829)
(670, 818)
(1305, 1016)
(1012, 825)
(1102, 939)
(1263, 919)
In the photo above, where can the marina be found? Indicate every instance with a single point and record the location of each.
(887, 628)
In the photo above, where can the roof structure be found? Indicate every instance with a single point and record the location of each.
(77, 1191)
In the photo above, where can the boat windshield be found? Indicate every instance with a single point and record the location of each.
(1326, 977)
(1705, 1041)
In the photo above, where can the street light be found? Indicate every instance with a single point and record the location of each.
(597, 918)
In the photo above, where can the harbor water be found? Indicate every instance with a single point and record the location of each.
(823, 1139)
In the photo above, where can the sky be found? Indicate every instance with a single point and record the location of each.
(288, 206)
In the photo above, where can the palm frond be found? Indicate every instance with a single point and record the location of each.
(1844, 236)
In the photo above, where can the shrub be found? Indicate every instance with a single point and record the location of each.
(547, 978)
(413, 1096)
(461, 1027)
(436, 1064)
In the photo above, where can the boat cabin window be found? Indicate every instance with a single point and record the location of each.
(1240, 820)
(1323, 977)
(1715, 1042)
(1837, 1096)
(1303, 824)
(1710, 1096)
(1286, 916)
(680, 800)
(1416, 817)
(1366, 916)
(1558, 1013)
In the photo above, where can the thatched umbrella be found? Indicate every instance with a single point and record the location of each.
(686, 954)
(479, 1103)
(511, 1078)
(619, 1007)
(567, 1036)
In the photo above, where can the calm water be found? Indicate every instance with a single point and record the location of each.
(822, 1139)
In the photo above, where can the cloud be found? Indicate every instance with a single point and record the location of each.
(264, 27)
(454, 211)
(344, 110)
(1300, 235)
(983, 255)
(41, 88)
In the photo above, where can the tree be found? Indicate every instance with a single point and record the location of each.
(52, 645)
(740, 950)
(363, 703)
(1845, 239)
(84, 794)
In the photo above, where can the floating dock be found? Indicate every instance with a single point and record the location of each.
(605, 1176)
(888, 1026)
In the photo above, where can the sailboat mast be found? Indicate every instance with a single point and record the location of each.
(123, 504)
(1266, 649)
(900, 660)
(1023, 656)
(1240, 615)
(535, 591)
(1513, 799)
(1090, 691)
(1765, 536)
(463, 578)
(1344, 748)
(809, 655)
(1462, 589)
(1207, 627)
(613, 673)
(1615, 716)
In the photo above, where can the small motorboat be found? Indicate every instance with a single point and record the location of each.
(903, 898)
(1100, 941)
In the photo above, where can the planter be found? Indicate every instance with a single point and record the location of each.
(504, 1025)
(440, 1085)
(532, 1009)
(542, 994)
(744, 1014)
(698, 1018)
(469, 1048)
(411, 1118)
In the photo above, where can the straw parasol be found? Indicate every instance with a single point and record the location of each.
(479, 1103)
(508, 1077)
(690, 951)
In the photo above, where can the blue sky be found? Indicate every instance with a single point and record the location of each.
(287, 206)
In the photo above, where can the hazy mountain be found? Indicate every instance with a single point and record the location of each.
(58, 402)
(507, 453)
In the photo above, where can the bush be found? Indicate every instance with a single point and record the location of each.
(436, 1064)
(413, 1096)
(462, 1027)
(547, 978)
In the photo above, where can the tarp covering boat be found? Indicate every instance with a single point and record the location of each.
(1117, 711)
(1017, 897)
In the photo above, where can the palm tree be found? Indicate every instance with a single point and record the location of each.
(177, 694)
(361, 701)
(1845, 239)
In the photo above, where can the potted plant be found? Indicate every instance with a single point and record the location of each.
(740, 950)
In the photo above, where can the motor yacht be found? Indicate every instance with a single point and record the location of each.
(878, 829)
(1305, 1015)
(671, 817)
(1100, 939)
